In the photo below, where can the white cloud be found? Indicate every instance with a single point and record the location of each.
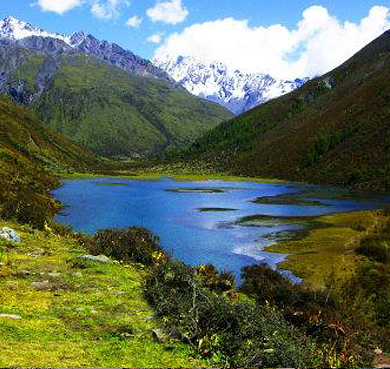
(319, 43)
(134, 21)
(58, 6)
(155, 39)
(107, 10)
(171, 12)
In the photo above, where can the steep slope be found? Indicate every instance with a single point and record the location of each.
(29, 36)
(100, 95)
(233, 89)
(29, 154)
(334, 129)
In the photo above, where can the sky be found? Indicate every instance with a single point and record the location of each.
(287, 39)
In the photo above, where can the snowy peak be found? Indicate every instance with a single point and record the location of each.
(215, 81)
(27, 36)
(14, 29)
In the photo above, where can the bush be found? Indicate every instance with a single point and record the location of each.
(240, 334)
(270, 287)
(215, 281)
(316, 313)
(132, 244)
(367, 294)
(375, 248)
(26, 201)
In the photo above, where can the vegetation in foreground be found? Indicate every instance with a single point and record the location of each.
(74, 312)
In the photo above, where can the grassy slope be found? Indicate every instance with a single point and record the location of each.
(112, 112)
(29, 154)
(334, 129)
(97, 320)
(27, 147)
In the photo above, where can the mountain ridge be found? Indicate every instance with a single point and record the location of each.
(214, 81)
(99, 95)
(331, 130)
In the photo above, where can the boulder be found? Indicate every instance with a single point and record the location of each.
(100, 259)
(11, 316)
(10, 235)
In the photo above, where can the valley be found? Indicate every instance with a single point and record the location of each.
(157, 230)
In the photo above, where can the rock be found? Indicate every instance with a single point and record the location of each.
(11, 316)
(41, 285)
(54, 274)
(121, 293)
(78, 275)
(94, 312)
(100, 259)
(22, 273)
(159, 336)
(10, 235)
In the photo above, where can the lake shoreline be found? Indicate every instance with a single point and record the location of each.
(328, 249)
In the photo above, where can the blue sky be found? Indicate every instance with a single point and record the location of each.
(215, 28)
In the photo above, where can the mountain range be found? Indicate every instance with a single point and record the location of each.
(333, 129)
(98, 94)
(215, 81)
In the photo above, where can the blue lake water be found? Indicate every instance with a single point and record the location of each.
(170, 209)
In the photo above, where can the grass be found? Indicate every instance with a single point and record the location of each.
(108, 110)
(91, 317)
(328, 249)
(177, 177)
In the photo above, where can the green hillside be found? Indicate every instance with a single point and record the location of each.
(29, 154)
(105, 108)
(334, 129)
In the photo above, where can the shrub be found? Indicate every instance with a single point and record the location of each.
(215, 281)
(375, 248)
(132, 244)
(230, 333)
(26, 201)
(367, 293)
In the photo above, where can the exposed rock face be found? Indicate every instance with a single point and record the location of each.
(216, 82)
(15, 33)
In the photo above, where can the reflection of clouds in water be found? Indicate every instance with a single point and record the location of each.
(251, 250)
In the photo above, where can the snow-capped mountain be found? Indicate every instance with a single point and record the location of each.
(214, 81)
(25, 35)
(14, 29)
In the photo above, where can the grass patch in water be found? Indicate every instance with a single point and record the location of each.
(329, 249)
(288, 199)
(112, 184)
(196, 190)
(215, 210)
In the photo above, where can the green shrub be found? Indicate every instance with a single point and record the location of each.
(232, 333)
(375, 248)
(132, 244)
(215, 281)
(367, 294)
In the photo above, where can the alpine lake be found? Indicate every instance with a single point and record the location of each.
(226, 223)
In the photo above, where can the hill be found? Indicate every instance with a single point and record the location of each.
(334, 129)
(29, 154)
(99, 95)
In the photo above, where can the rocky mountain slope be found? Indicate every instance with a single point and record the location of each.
(233, 89)
(31, 37)
(334, 129)
(97, 94)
